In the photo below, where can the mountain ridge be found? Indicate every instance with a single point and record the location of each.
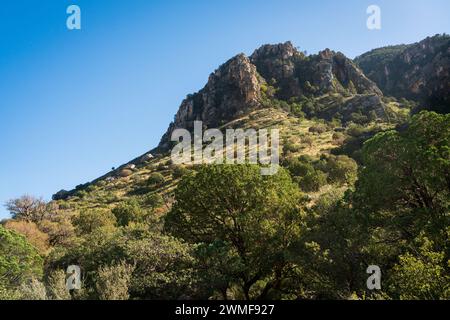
(235, 87)
(418, 71)
(327, 85)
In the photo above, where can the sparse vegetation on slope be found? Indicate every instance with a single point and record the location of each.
(360, 182)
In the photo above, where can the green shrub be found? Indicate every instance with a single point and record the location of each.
(319, 129)
(308, 140)
(356, 130)
(312, 181)
(306, 174)
(341, 169)
(153, 200)
(129, 211)
(338, 136)
(113, 281)
(289, 146)
(32, 289)
(179, 171)
(156, 179)
(299, 168)
(19, 260)
(359, 118)
(56, 286)
(81, 194)
(90, 220)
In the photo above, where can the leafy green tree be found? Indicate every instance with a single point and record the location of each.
(217, 267)
(56, 285)
(405, 183)
(403, 194)
(340, 169)
(179, 171)
(256, 217)
(312, 181)
(129, 211)
(306, 175)
(421, 276)
(153, 200)
(330, 252)
(113, 281)
(155, 179)
(164, 265)
(90, 220)
(299, 167)
(19, 260)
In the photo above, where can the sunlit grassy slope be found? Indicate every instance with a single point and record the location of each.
(297, 137)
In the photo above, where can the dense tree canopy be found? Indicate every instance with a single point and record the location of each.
(19, 260)
(235, 211)
(227, 232)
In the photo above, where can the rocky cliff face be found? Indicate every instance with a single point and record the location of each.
(235, 88)
(295, 74)
(232, 90)
(327, 86)
(278, 65)
(420, 71)
(346, 72)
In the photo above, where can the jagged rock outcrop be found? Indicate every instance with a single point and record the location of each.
(295, 74)
(367, 105)
(347, 73)
(236, 87)
(232, 90)
(420, 71)
(327, 85)
(278, 65)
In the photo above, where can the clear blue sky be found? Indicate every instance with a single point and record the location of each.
(73, 104)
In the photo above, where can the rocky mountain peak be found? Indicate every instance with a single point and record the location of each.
(326, 54)
(346, 72)
(282, 51)
(295, 74)
(277, 64)
(335, 72)
(239, 76)
(232, 90)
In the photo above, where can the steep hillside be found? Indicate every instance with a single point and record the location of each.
(322, 104)
(272, 72)
(361, 182)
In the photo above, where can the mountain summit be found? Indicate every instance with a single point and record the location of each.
(232, 90)
(238, 86)
(297, 74)
(279, 85)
